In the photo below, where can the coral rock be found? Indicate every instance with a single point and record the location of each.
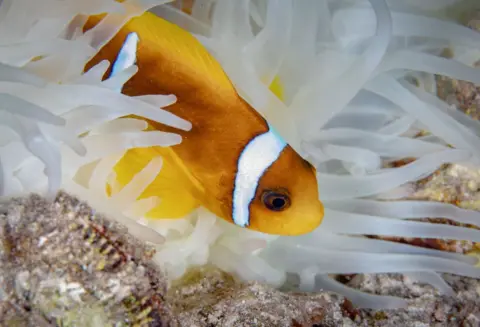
(210, 297)
(61, 264)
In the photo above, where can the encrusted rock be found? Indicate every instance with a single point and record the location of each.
(209, 297)
(63, 265)
(426, 308)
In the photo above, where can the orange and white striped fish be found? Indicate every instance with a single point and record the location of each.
(232, 161)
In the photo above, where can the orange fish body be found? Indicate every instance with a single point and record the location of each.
(231, 161)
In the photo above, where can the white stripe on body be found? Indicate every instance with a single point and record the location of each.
(259, 154)
(127, 55)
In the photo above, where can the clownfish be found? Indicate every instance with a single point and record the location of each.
(232, 161)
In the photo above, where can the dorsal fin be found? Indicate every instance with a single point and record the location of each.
(160, 37)
(181, 46)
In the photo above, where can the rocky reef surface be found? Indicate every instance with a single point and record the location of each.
(61, 264)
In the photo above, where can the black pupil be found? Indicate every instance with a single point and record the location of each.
(278, 203)
(275, 201)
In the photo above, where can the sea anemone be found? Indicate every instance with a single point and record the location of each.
(349, 84)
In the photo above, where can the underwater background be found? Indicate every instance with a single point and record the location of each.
(381, 97)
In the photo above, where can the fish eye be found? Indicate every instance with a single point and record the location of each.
(275, 201)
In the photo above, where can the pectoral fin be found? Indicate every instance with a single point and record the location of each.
(176, 192)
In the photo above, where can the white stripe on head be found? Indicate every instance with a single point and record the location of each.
(259, 154)
(127, 55)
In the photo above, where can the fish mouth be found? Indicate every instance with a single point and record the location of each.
(309, 223)
(296, 227)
